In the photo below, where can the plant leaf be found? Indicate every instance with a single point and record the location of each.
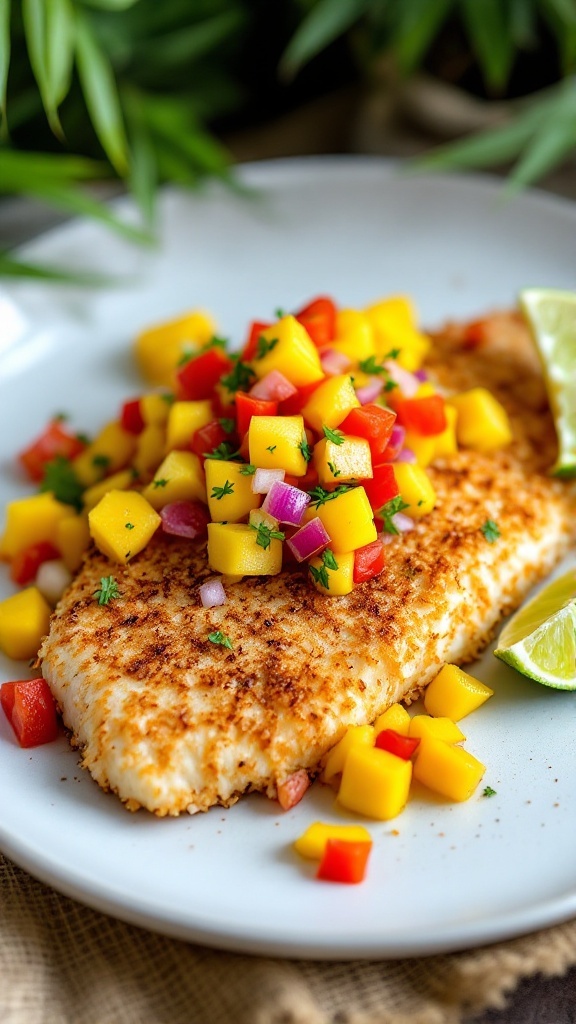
(49, 29)
(10, 267)
(326, 21)
(419, 25)
(189, 43)
(4, 57)
(490, 39)
(109, 5)
(22, 169)
(101, 95)
(555, 139)
(143, 177)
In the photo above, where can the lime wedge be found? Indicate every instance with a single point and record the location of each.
(551, 316)
(540, 639)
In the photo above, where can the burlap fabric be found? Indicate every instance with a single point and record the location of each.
(61, 963)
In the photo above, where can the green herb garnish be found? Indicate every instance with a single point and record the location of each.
(248, 470)
(61, 480)
(221, 492)
(320, 575)
(220, 638)
(239, 378)
(306, 449)
(224, 451)
(389, 510)
(228, 425)
(336, 436)
(129, 526)
(271, 448)
(488, 791)
(161, 482)
(264, 534)
(320, 496)
(263, 346)
(491, 531)
(101, 461)
(108, 590)
(335, 472)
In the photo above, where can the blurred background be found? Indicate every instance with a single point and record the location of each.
(100, 96)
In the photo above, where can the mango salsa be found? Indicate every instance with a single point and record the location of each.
(24, 621)
(121, 524)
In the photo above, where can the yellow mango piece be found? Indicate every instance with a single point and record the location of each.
(159, 348)
(446, 442)
(288, 348)
(354, 735)
(454, 694)
(439, 728)
(24, 621)
(482, 422)
(121, 524)
(348, 520)
(424, 448)
(179, 477)
(275, 442)
(415, 488)
(31, 520)
(312, 843)
(155, 408)
(330, 403)
(394, 322)
(395, 717)
(338, 463)
(233, 551)
(72, 540)
(230, 494)
(354, 335)
(150, 450)
(333, 574)
(111, 449)
(119, 481)
(184, 419)
(446, 769)
(375, 783)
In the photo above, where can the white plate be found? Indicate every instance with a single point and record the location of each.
(453, 875)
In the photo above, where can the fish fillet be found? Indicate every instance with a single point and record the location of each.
(172, 723)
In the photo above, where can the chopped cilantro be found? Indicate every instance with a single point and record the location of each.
(320, 575)
(371, 366)
(305, 448)
(491, 531)
(221, 492)
(224, 451)
(216, 342)
(264, 534)
(263, 346)
(161, 482)
(61, 480)
(271, 448)
(329, 560)
(101, 461)
(108, 590)
(218, 637)
(488, 791)
(389, 510)
(240, 377)
(248, 470)
(129, 526)
(336, 436)
(320, 496)
(83, 438)
(280, 313)
(168, 397)
(335, 472)
(228, 425)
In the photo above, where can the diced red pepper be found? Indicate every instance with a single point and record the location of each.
(30, 708)
(395, 743)
(344, 861)
(319, 319)
(475, 334)
(425, 416)
(291, 791)
(372, 422)
(247, 406)
(382, 487)
(25, 564)
(54, 441)
(209, 437)
(293, 406)
(368, 561)
(200, 375)
(131, 418)
(249, 350)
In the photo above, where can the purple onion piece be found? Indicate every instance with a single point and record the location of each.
(185, 519)
(370, 392)
(212, 593)
(286, 503)
(264, 478)
(406, 455)
(308, 540)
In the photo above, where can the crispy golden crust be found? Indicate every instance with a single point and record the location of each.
(172, 722)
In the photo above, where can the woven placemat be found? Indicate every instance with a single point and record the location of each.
(62, 963)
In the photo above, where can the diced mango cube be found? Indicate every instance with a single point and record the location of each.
(31, 520)
(333, 574)
(446, 443)
(155, 408)
(233, 551)
(449, 770)
(355, 734)
(395, 717)
(354, 335)
(287, 347)
(424, 448)
(179, 477)
(339, 462)
(276, 442)
(120, 481)
(375, 783)
(24, 621)
(111, 449)
(229, 490)
(482, 422)
(454, 694)
(312, 842)
(72, 540)
(121, 524)
(184, 419)
(394, 323)
(416, 488)
(330, 403)
(158, 349)
(347, 518)
(439, 728)
(150, 450)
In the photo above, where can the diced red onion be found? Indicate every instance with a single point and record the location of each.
(402, 522)
(185, 519)
(406, 455)
(334, 362)
(264, 478)
(274, 387)
(52, 579)
(396, 442)
(369, 392)
(308, 540)
(405, 380)
(212, 593)
(286, 503)
(421, 375)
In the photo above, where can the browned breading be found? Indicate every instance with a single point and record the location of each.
(172, 722)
